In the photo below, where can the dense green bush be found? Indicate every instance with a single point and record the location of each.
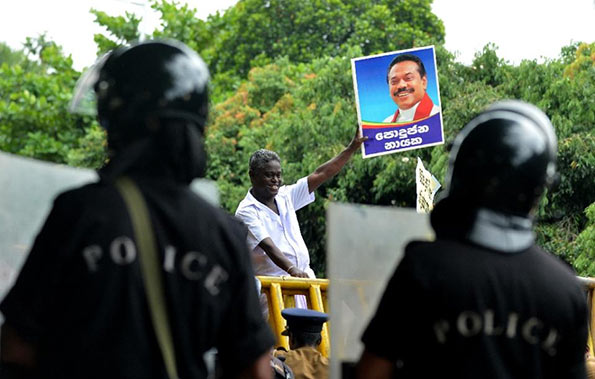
(34, 95)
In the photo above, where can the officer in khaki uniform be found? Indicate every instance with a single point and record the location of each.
(303, 329)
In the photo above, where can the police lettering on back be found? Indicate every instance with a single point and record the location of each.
(192, 265)
(472, 323)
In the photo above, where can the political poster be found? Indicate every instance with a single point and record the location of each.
(398, 101)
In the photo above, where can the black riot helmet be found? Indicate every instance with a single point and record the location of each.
(503, 159)
(160, 79)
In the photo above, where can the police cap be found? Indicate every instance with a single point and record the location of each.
(303, 320)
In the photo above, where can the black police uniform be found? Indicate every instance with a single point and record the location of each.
(80, 294)
(80, 299)
(454, 309)
(482, 301)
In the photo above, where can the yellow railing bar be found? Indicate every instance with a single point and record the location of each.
(278, 320)
(280, 292)
(317, 305)
(589, 284)
(292, 282)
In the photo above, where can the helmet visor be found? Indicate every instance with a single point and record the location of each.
(84, 101)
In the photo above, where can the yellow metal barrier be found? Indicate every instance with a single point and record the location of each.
(280, 292)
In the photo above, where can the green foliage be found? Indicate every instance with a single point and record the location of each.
(585, 245)
(122, 30)
(90, 149)
(34, 94)
(182, 24)
(9, 56)
(256, 32)
(558, 237)
(488, 68)
(576, 164)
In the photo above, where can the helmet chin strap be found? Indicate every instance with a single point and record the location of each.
(501, 231)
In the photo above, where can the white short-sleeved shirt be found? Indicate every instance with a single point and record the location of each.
(282, 228)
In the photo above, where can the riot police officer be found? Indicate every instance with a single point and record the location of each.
(482, 300)
(79, 307)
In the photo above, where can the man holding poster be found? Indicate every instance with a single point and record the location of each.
(407, 83)
(269, 212)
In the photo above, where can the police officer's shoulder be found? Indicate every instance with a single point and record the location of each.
(416, 245)
(85, 196)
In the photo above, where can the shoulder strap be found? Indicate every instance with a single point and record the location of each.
(151, 272)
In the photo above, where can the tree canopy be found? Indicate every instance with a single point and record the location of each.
(34, 93)
(281, 79)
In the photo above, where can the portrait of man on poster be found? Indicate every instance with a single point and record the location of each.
(407, 83)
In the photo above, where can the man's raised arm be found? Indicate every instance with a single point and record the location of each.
(330, 168)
